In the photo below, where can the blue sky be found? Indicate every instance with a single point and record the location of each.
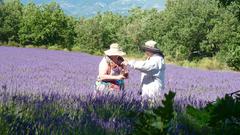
(91, 7)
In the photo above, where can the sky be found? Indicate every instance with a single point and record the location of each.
(92, 7)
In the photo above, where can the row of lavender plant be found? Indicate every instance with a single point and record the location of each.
(42, 90)
(60, 114)
(39, 71)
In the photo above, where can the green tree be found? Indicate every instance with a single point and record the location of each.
(10, 13)
(226, 36)
(236, 9)
(227, 2)
(183, 26)
(96, 34)
(46, 25)
(132, 34)
(58, 28)
(31, 25)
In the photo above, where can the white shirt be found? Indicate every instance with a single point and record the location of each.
(153, 74)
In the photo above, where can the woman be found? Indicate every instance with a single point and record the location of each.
(111, 72)
(153, 70)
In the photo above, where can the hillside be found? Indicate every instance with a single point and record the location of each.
(92, 7)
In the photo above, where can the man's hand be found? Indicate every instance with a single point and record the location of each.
(125, 63)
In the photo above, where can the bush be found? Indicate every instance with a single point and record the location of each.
(54, 47)
(211, 63)
(3, 43)
(222, 117)
(42, 47)
(155, 121)
(13, 43)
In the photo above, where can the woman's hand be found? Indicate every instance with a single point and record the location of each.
(120, 77)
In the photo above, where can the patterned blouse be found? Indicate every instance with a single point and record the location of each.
(109, 68)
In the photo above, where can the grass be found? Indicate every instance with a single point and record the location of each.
(205, 63)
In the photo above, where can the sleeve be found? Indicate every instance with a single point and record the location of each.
(144, 66)
(161, 63)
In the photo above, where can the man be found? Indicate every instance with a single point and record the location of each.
(153, 70)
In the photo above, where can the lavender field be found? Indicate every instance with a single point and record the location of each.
(39, 71)
(51, 92)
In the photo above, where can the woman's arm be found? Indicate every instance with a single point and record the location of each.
(111, 77)
(103, 76)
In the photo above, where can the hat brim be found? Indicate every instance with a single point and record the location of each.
(114, 53)
(155, 50)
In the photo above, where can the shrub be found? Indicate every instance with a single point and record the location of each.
(157, 120)
(30, 46)
(221, 117)
(13, 43)
(54, 47)
(76, 48)
(42, 47)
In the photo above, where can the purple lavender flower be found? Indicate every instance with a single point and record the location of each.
(39, 71)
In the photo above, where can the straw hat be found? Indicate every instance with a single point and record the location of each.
(114, 50)
(151, 46)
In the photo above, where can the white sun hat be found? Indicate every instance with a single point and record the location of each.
(114, 50)
(151, 46)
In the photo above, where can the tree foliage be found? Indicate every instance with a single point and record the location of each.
(96, 34)
(184, 27)
(10, 13)
(46, 25)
